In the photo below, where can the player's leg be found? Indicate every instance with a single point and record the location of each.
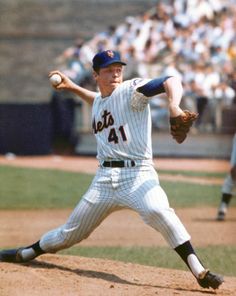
(163, 219)
(228, 186)
(94, 207)
(225, 198)
(83, 220)
(143, 193)
(153, 206)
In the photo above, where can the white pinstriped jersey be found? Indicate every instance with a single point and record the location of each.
(122, 133)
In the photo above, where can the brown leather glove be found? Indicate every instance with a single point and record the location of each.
(180, 125)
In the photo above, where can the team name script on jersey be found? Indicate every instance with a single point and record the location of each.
(107, 120)
(115, 134)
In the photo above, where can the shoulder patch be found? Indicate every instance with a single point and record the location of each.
(136, 81)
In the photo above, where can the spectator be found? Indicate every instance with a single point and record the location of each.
(201, 100)
(223, 97)
(175, 36)
(71, 63)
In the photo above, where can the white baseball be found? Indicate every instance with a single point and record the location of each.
(55, 79)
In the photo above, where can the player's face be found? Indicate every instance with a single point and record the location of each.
(109, 78)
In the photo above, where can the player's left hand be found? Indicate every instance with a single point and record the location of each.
(180, 125)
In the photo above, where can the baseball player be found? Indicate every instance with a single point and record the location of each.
(125, 177)
(228, 186)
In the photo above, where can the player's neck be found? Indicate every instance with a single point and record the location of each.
(105, 94)
(106, 91)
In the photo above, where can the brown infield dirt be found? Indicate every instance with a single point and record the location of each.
(71, 275)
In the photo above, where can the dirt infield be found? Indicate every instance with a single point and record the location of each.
(68, 275)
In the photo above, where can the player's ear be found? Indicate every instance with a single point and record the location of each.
(95, 75)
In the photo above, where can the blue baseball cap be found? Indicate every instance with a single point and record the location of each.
(106, 58)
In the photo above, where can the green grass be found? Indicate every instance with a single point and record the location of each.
(182, 194)
(220, 259)
(25, 188)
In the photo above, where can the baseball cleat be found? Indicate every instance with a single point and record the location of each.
(11, 255)
(222, 212)
(220, 216)
(208, 279)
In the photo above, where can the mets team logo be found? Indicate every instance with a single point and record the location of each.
(110, 53)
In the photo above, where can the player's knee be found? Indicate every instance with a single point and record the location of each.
(71, 237)
(65, 239)
(155, 214)
(151, 214)
(66, 243)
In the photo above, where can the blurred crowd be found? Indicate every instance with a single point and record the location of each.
(192, 39)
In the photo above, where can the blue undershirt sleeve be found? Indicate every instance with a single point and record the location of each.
(153, 87)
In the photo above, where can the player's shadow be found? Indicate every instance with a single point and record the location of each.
(109, 277)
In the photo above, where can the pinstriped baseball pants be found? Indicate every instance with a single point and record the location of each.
(112, 189)
(229, 185)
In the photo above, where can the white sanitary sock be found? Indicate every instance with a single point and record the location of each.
(195, 265)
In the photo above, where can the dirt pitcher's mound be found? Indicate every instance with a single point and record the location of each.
(54, 275)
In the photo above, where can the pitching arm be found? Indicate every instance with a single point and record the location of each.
(67, 84)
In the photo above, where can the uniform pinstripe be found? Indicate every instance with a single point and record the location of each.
(122, 134)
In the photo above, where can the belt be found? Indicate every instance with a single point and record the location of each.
(118, 163)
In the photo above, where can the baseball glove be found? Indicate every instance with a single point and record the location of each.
(180, 125)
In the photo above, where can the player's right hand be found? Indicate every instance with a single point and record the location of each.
(66, 83)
